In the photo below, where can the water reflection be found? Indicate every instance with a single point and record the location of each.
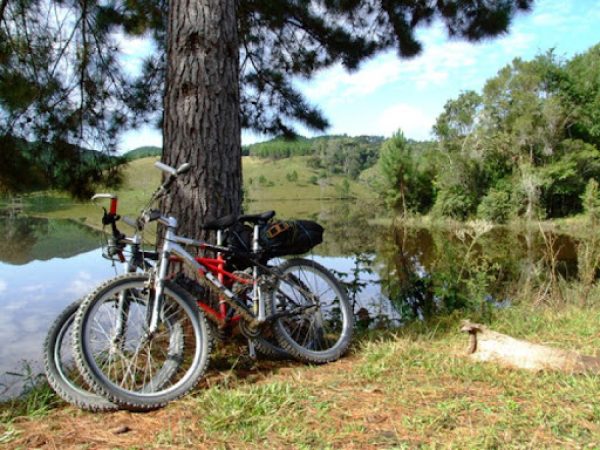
(29, 239)
(427, 271)
(45, 265)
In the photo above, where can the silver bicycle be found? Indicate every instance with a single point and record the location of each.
(129, 328)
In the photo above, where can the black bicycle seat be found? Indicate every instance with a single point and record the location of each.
(257, 218)
(220, 223)
(230, 219)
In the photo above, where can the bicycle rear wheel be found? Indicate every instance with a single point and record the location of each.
(317, 321)
(122, 361)
(269, 348)
(61, 371)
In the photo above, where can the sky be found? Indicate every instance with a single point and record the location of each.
(388, 94)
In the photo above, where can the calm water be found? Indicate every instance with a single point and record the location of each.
(44, 266)
(47, 264)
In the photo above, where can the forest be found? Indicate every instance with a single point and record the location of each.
(526, 146)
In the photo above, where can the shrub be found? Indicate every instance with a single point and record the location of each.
(454, 202)
(496, 206)
(591, 201)
(292, 176)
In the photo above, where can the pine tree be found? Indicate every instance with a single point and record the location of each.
(230, 64)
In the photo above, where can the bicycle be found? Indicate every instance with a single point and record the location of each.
(62, 375)
(307, 309)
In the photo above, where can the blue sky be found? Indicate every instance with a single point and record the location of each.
(388, 93)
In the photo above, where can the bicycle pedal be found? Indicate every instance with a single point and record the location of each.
(251, 349)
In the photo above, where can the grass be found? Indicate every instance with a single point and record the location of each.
(276, 183)
(406, 388)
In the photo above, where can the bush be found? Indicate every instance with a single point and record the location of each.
(454, 202)
(496, 206)
(292, 176)
(591, 201)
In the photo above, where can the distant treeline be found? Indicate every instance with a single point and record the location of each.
(335, 154)
(35, 166)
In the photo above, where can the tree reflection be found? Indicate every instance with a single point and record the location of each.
(28, 239)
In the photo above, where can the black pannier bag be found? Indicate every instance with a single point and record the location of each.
(238, 237)
(280, 238)
(291, 237)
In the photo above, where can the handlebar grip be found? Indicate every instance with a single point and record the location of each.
(165, 168)
(130, 221)
(103, 195)
(185, 167)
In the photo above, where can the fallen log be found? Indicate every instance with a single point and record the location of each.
(488, 345)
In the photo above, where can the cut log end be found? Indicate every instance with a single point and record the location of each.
(488, 345)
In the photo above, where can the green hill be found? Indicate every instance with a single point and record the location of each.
(289, 186)
(336, 155)
(142, 152)
(294, 178)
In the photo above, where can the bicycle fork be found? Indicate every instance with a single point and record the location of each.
(156, 300)
(259, 308)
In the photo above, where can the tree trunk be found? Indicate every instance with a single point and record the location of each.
(201, 123)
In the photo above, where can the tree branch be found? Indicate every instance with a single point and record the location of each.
(2, 8)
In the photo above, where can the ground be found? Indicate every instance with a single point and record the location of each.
(408, 388)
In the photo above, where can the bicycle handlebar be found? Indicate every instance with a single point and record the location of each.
(185, 167)
(147, 214)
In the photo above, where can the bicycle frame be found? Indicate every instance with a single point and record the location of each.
(216, 266)
(211, 269)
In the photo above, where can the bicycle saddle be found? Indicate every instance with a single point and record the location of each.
(230, 219)
(257, 218)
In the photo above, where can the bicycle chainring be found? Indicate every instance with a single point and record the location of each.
(249, 331)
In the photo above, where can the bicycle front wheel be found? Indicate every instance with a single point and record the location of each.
(122, 361)
(316, 322)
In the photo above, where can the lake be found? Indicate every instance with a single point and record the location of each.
(391, 272)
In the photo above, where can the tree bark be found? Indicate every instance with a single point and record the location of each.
(201, 123)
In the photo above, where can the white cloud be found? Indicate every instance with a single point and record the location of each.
(140, 137)
(3, 286)
(413, 122)
(375, 74)
(134, 50)
(81, 285)
(432, 68)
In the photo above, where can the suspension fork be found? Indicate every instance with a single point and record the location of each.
(159, 284)
(259, 308)
(122, 312)
(129, 266)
